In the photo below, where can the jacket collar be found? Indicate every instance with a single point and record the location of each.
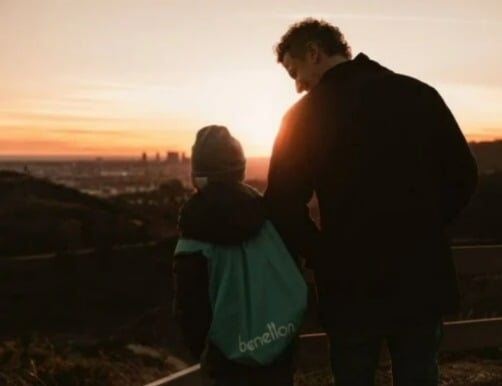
(341, 69)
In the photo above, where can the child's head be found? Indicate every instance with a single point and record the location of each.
(216, 156)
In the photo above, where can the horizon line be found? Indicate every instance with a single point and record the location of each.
(84, 157)
(151, 155)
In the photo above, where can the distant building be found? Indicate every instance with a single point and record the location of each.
(185, 160)
(173, 158)
(144, 157)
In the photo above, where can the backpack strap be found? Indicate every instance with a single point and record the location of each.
(185, 246)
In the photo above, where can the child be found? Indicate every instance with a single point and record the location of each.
(232, 312)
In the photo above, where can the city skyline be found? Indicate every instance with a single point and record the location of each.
(116, 78)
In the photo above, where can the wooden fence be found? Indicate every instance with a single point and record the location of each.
(459, 335)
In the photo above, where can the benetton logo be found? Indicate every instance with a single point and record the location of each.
(271, 334)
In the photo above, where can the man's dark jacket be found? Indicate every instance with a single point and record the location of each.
(391, 169)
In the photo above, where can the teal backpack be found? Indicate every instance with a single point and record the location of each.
(258, 296)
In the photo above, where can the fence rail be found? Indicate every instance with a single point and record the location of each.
(76, 252)
(459, 335)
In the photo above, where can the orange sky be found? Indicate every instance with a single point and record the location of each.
(119, 77)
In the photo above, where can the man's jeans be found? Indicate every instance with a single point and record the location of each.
(413, 350)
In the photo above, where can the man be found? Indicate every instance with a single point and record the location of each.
(391, 169)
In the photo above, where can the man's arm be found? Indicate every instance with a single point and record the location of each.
(291, 187)
(459, 174)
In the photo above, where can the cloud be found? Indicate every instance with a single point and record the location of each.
(120, 133)
(54, 117)
(492, 131)
(37, 146)
(57, 147)
(386, 18)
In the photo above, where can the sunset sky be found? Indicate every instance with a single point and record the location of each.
(118, 77)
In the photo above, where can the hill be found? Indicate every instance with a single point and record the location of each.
(39, 216)
(488, 155)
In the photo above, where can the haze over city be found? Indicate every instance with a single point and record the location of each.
(116, 78)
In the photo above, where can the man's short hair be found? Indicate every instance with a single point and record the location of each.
(328, 37)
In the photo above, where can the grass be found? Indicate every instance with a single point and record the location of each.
(480, 368)
(323, 377)
(72, 361)
(37, 361)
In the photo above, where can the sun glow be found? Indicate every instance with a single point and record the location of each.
(250, 103)
(129, 118)
(124, 77)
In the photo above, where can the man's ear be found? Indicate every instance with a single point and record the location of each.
(313, 52)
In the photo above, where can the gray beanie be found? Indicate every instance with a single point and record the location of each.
(217, 155)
